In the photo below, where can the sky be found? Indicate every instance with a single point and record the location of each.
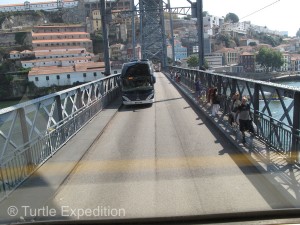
(283, 15)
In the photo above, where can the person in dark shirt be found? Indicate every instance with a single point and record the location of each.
(198, 88)
(243, 111)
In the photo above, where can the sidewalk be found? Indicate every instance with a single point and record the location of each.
(272, 165)
(46, 181)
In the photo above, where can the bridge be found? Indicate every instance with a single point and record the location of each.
(80, 148)
(79, 152)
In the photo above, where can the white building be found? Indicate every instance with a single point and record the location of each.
(15, 55)
(55, 62)
(214, 60)
(210, 22)
(286, 62)
(240, 27)
(47, 6)
(62, 53)
(62, 76)
(21, 55)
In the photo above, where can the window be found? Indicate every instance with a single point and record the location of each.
(57, 77)
(47, 77)
(36, 79)
(68, 76)
(84, 74)
(95, 74)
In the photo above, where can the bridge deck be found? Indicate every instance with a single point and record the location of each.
(164, 160)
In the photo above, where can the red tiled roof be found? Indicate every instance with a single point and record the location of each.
(59, 26)
(61, 40)
(80, 67)
(247, 54)
(60, 52)
(57, 59)
(58, 34)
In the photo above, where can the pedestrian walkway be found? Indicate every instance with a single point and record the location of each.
(272, 164)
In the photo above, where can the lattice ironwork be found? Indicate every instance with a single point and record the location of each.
(153, 38)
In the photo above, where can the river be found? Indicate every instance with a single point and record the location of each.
(275, 106)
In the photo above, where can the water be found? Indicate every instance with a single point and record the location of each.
(275, 106)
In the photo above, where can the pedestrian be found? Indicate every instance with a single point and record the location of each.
(215, 98)
(243, 111)
(210, 93)
(234, 107)
(198, 88)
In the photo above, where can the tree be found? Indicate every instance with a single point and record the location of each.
(224, 38)
(231, 18)
(193, 61)
(269, 58)
(5, 86)
(252, 44)
(20, 38)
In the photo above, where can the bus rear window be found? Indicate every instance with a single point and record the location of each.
(137, 70)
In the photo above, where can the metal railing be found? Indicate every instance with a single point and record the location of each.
(282, 132)
(30, 133)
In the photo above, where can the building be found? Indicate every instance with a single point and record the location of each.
(51, 37)
(295, 62)
(214, 60)
(230, 56)
(96, 20)
(118, 52)
(55, 62)
(247, 60)
(212, 22)
(247, 41)
(47, 6)
(138, 53)
(286, 62)
(68, 75)
(180, 51)
(26, 54)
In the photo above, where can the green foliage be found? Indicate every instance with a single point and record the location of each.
(237, 41)
(4, 67)
(20, 38)
(231, 18)
(97, 40)
(269, 58)
(5, 86)
(224, 38)
(268, 39)
(193, 61)
(252, 44)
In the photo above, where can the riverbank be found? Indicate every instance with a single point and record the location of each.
(294, 77)
(273, 77)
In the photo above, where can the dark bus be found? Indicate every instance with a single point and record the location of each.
(137, 83)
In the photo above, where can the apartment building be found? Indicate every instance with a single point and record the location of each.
(53, 37)
(230, 56)
(47, 6)
(68, 75)
(247, 60)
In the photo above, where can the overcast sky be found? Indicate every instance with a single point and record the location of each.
(283, 15)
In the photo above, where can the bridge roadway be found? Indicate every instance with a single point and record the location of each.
(164, 160)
